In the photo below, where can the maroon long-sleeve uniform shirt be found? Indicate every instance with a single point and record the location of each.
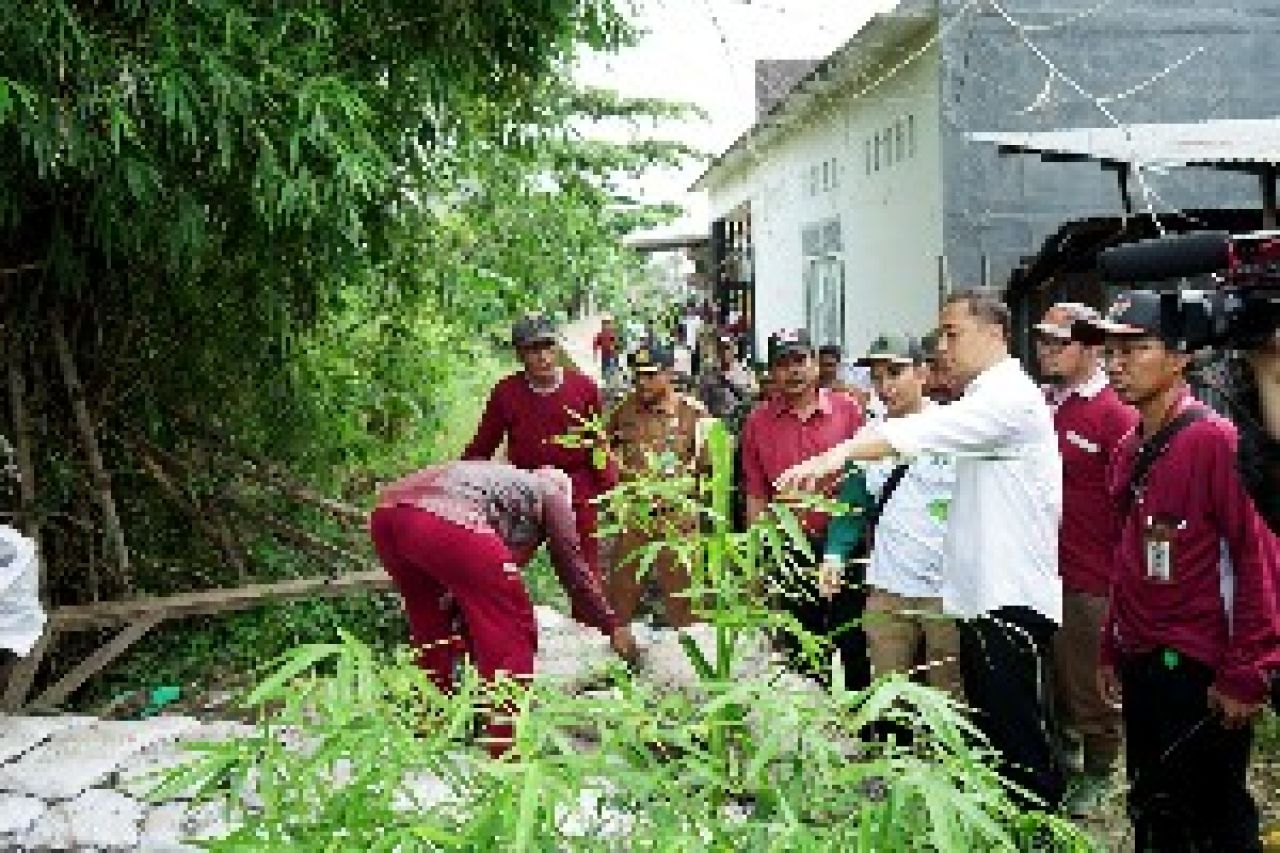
(1090, 422)
(529, 420)
(1219, 605)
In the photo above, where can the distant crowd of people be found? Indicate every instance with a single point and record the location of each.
(1075, 559)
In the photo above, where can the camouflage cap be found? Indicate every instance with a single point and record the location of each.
(787, 341)
(1059, 320)
(901, 349)
(533, 329)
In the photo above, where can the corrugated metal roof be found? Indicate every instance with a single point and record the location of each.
(885, 29)
(1223, 143)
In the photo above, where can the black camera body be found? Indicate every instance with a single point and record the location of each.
(1241, 309)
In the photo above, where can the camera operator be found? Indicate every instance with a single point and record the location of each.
(1193, 625)
(1237, 312)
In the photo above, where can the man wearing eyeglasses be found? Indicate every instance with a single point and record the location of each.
(531, 408)
(1090, 421)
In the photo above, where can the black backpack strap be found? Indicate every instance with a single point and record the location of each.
(1153, 448)
(890, 484)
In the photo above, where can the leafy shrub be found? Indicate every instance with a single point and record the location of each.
(380, 759)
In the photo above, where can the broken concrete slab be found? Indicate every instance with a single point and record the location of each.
(20, 734)
(18, 814)
(84, 756)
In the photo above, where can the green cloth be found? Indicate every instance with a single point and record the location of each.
(847, 531)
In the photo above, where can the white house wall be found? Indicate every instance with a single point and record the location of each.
(890, 220)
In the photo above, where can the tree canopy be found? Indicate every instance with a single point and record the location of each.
(287, 221)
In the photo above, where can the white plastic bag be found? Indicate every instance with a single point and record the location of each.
(21, 617)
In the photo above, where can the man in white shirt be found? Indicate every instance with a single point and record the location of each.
(907, 505)
(1000, 564)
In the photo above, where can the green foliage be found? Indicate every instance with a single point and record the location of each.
(386, 766)
(741, 763)
(303, 224)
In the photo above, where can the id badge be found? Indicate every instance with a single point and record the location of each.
(1157, 538)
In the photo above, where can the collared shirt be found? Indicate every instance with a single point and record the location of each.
(1091, 421)
(1002, 536)
(670, 427)
(774, 439)
(1090, 388)
(911, 530)
(530, 421)
(1220, 605)
(520, 508)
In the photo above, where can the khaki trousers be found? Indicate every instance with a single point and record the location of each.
(625, 588)
(897, 625)
(1075, 665)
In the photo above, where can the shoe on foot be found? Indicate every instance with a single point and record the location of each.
(1087, 793)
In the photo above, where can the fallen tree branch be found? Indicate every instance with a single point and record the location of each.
(271, 474)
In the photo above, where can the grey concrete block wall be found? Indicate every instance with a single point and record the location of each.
(1004, 207)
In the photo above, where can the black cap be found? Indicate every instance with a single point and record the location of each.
(651, 357)
(929, 345)
(787, 341)
(900, 349)
(1134, 312)
(533, 329)
(831, 349)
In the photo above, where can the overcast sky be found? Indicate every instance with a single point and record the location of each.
(703, 51)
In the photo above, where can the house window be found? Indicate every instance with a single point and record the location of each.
(877, 143)
(824, 299)
(911, 135)
(826, 175)
(813, 179)
(868, 153)
(899, 143)
(835, 173)
(888, 146)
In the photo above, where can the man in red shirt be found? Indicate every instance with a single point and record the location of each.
(605, 344)
(1194, 624)
(802, 420)
(532, 408)
(1090, 421)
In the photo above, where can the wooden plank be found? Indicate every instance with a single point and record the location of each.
(205, 602)
(59, 691)
(23, 674)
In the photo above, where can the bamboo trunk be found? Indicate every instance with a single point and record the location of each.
(18, 678)
(210, 523)
(89, 438)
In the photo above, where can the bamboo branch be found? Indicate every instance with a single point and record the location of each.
(98, 469)
(21, 268)
(271, 474)
(219, 535)
(300, 538)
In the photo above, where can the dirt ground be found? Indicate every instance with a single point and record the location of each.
(1110, 826)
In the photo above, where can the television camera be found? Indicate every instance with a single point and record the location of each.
(1241, 308)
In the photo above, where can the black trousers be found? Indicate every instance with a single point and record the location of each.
(1004, 660)
(1186, 771)
(838, 619)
